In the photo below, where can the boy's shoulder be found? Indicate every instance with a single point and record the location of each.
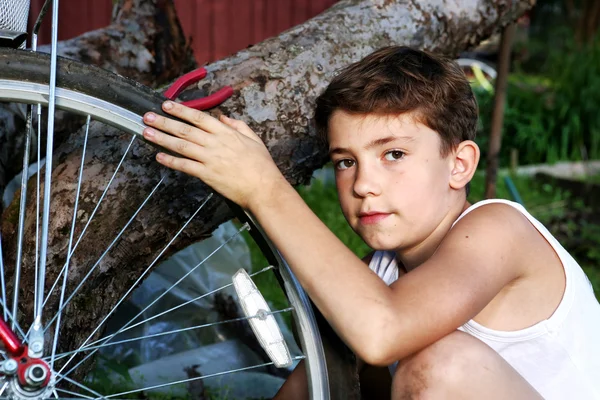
(491, 232)
(501, 245)
(496, 218)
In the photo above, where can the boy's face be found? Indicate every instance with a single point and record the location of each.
(392, 183)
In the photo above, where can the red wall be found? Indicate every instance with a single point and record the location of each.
(217, 27)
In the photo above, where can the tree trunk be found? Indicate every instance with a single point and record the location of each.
(276, 83)
(498, 111)
(145, 42)
(586, 20)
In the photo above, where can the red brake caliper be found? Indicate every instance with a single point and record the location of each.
(32, 373)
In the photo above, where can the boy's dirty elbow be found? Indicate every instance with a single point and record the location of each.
(376, 353)
(379, 350)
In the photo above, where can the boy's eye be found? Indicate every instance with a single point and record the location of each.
(394, 155)
(344, 164)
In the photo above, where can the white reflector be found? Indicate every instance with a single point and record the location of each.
(263, 324)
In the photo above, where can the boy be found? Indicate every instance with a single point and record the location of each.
(482, 300)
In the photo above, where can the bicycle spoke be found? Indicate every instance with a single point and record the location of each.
(77, 395)
(10, 316)
(110, 181)
(179, 306)
(37, 198)
(75, 209)
(243, 228)
(148, 269)
(89, 102)
(115, 240)
(198, 378)
(79, 385)
(48, 176)
(172, 332)
(2, 281)
(22, 206)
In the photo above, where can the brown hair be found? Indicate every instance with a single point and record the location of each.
(396, 80)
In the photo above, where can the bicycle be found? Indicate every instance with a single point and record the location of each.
(36, 365)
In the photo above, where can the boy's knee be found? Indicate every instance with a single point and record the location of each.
(439, 368)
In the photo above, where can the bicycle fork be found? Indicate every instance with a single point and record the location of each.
(23, 374)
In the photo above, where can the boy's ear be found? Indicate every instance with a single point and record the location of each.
(464, 164)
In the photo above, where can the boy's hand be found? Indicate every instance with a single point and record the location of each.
(225, 153)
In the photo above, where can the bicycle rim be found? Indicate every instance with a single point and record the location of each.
(104, 97)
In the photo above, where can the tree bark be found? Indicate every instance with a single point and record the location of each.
(145, 42)
(585, 19)
(276, 83)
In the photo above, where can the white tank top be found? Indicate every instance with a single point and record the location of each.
(559, 356)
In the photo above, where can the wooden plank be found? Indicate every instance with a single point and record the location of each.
(314, 7)
(301, 11)
(106, 13)
(73, 20)
(240, 25)
(283, 12)
(220, 29)
(202, 31)
(258, 20)
(78, 17)
(271, 18)
(186, 12)
(318, 6)
(84, 14)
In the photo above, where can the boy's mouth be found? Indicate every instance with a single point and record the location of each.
(372, 217)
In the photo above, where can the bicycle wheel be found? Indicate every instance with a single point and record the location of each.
(478, 72)
(108, 99)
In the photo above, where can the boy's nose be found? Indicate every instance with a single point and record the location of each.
(366, 183)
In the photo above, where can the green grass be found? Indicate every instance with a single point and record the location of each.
(543, 201)
(323, 201)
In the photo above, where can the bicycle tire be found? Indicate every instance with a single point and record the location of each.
(29, 71)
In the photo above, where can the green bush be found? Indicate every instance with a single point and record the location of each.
(551, 116)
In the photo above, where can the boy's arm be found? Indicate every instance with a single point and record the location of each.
(381, 324)
(475, 261)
